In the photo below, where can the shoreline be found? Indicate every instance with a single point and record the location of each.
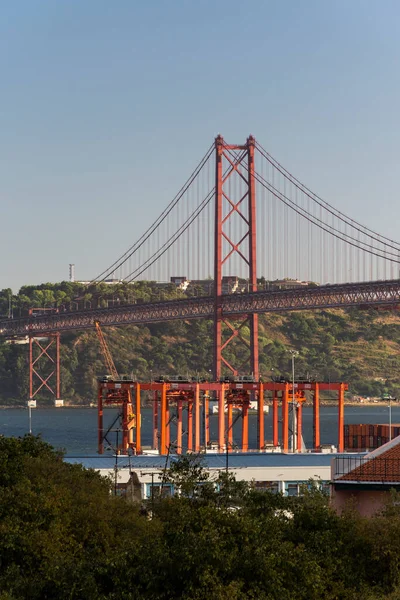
(377, 403)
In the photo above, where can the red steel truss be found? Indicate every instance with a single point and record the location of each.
(44, 360)
(375, 294)
(44, 365)
(234, 162)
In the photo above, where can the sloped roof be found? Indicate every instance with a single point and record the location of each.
(381, 465)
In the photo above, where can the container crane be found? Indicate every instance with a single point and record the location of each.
(106, 352)
(109, 395)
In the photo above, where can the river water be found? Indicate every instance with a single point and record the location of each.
(75, 429)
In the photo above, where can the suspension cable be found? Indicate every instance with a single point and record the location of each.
(320, 201)
(122, 259)
(313, 219)
(175, 236)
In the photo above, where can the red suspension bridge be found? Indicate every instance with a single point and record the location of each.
(240, 216)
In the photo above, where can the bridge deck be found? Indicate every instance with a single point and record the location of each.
(375, 293)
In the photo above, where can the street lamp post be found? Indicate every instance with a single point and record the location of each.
(30, 417)
(293, 354)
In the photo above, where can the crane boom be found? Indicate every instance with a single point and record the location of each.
(106, 352)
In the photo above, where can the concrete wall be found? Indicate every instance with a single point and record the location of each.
(366, 502)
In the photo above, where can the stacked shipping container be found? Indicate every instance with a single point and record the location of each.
(368, 437)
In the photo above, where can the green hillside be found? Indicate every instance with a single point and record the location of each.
(357, 346)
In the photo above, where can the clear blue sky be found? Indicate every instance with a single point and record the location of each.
(105, 108)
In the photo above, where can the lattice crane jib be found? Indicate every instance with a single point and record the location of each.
(106, 352)
(235, 241)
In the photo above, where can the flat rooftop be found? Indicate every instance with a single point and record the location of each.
(211, 461)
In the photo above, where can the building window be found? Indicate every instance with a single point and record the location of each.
(292, 489)
(267, 486)
(160, 490)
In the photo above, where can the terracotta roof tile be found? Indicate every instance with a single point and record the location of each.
(385, 467)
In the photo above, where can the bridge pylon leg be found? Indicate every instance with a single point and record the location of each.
(44, 367)
(235, 200)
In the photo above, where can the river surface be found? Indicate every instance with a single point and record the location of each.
(75, 429)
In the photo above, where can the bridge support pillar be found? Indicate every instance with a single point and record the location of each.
(44, 366)
(234, 170)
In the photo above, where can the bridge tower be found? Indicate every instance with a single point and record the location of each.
(44, 364)
(235, 236)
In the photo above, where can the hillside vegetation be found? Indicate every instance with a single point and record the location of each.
(360, 347)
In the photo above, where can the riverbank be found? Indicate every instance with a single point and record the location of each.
(323, 402)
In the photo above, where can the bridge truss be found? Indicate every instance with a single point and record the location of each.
(361, 295)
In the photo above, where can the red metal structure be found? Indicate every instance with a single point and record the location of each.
(239, 201)
(126, 395)
(234, 240)
(44, 366)
(172, 400)
(359, 295)
(106, 352)
(44, 363)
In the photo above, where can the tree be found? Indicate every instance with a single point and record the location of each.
(59, 525)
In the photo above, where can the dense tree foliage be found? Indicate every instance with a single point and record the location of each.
(63, 535)
(358, 346)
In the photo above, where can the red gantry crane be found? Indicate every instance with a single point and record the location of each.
(112, 393)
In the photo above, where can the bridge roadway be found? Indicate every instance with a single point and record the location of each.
(375, 293)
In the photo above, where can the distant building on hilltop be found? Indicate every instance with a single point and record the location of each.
(181, 282)
(290, 284)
